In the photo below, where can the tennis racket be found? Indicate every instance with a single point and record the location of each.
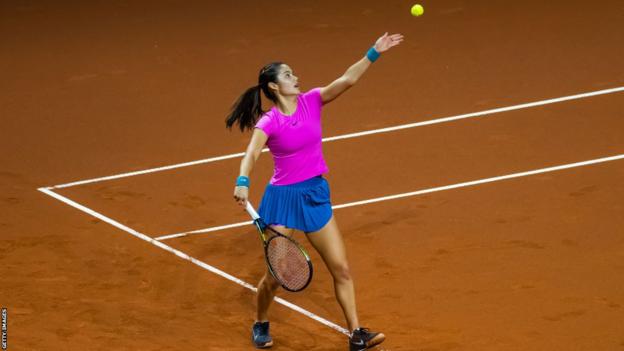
(288, 262)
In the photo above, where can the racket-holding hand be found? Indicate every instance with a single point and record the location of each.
(241, 193)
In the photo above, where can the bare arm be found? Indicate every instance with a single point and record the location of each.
(254, 149)
(353, 73)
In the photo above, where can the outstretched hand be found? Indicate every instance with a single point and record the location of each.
(385, 42)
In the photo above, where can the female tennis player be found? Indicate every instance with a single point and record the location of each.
(297, 196)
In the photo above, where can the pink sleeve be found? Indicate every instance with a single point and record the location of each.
(314, 97)
(265, 125)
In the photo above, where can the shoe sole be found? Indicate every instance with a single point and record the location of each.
(263, 346)
(378, 339)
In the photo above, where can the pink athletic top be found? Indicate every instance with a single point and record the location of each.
(295, 141)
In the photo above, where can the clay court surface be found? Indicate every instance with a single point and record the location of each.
(95, 89)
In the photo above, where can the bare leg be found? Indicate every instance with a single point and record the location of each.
(266, 292)
(329, 244)
(268, 285)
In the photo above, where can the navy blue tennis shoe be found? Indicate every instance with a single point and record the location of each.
(260, 335)
(362, 339)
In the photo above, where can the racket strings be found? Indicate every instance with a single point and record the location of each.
(289, 265)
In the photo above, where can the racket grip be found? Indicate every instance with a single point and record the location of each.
(251, 211)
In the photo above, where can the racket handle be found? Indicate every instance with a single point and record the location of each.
(251, 211)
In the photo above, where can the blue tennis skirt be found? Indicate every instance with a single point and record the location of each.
(305, 206)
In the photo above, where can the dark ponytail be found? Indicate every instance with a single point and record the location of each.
(248, 107)
(246, 110)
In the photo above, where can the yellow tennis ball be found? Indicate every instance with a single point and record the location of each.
(417, 10)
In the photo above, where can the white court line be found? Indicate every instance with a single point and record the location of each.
(188, 258)
(424, 191)
(355, 135)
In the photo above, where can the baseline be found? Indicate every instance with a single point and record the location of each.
(189, 258)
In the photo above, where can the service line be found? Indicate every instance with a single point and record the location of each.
(188, 258)
(355, 135)
(420, 192)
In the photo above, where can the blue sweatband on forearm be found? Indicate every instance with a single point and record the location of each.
(372, 54)
(242, 181)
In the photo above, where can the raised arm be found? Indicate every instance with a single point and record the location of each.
(254, 149)
(351, 76)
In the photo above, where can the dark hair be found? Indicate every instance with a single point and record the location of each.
(248, 107)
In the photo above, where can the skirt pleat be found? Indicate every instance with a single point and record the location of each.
(305, 206)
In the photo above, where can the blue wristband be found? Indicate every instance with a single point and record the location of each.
(242, 181)
(372, 54)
